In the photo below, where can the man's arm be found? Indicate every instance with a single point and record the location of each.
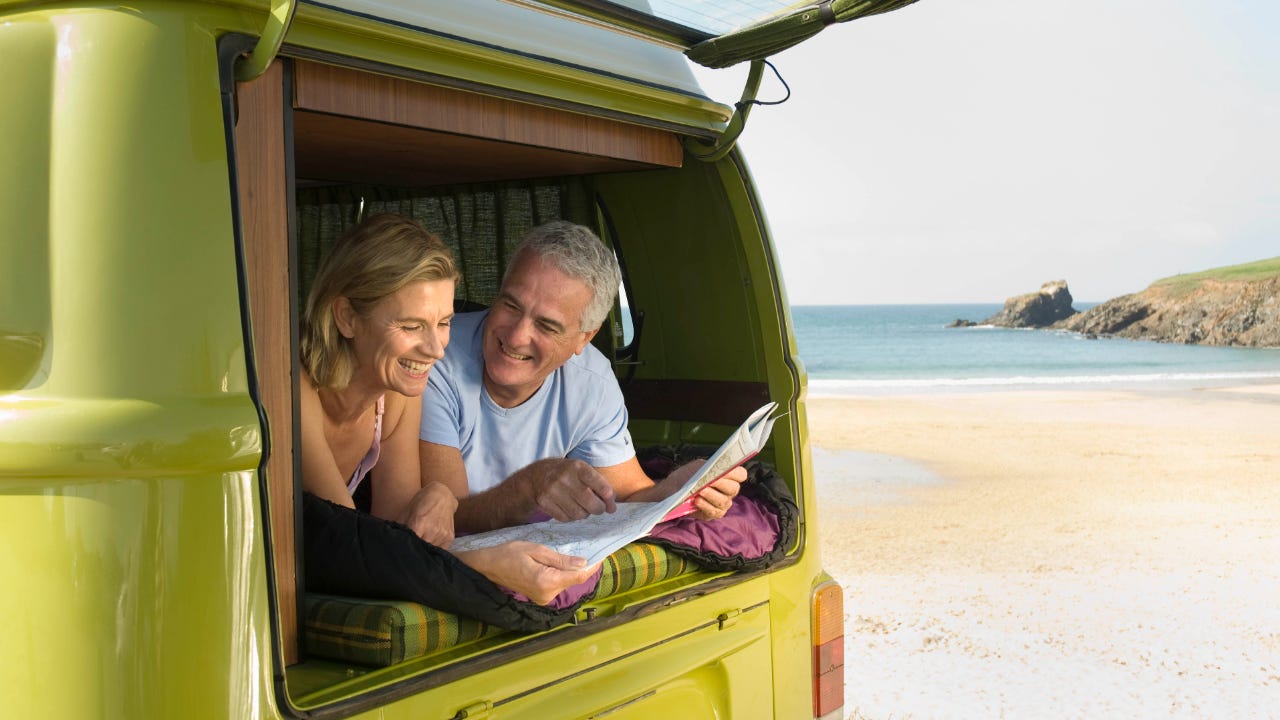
(629, 482)
(563, 489)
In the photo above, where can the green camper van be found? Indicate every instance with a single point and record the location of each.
(172, 174)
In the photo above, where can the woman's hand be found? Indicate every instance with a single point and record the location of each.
(535, 571)
(430, 514)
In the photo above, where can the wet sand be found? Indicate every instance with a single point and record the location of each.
(1063, 554)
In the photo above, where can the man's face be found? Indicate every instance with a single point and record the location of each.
(532, 329)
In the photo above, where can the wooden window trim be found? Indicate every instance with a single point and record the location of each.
(263, 183)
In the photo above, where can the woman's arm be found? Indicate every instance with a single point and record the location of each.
(399, 491)
(352, 553)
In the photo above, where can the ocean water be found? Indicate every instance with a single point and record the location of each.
(869, 349)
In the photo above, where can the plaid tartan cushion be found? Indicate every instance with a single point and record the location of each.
(382, 632)
(386, 632)
(637, 565)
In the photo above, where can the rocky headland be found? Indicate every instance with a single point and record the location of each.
(1050, 304)
(1236, 306)
(1210, 312)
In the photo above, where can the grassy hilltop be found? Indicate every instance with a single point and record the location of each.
(1246, 272)
(1233, 305)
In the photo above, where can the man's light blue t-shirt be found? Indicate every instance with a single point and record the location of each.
(577, 413)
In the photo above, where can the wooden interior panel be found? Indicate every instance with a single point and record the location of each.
(340, 149)
(351, 93)
(261, 176)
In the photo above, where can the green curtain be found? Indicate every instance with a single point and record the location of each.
(772, 36)
(482, 224)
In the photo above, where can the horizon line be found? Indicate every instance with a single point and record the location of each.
(929, 302)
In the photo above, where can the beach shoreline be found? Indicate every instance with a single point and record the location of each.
(1055, 553)
(1155, 383)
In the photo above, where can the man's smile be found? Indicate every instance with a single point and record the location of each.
(512, 355)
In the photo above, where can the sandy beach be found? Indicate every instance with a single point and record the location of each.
(1066, 554)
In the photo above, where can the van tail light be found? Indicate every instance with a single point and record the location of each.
(828, 650)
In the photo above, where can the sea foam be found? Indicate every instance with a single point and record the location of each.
(824, 387)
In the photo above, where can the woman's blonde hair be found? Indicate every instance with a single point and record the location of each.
(372, 260)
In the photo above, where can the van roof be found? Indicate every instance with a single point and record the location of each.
(691, 20)
(679, 22)
(713, 33)
(553, 32)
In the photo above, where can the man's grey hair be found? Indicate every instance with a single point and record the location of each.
(576, 251)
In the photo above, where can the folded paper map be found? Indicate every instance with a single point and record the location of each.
(595, 537)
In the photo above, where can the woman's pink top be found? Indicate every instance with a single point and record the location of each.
(370, 458)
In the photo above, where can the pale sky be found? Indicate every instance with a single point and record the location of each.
(970, 151)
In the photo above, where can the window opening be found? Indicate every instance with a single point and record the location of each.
(626, 320)
(625, 331)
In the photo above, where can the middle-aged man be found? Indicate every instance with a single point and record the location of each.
(524, 415)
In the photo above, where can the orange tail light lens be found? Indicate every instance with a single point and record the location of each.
(828, 649)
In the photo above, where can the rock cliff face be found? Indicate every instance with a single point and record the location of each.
(1212, 312)
(1051, 304)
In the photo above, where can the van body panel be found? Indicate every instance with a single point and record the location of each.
(585, 676)
(25, 294)
(130, 536)
(134, 597)
(744, 333)
(143, 185)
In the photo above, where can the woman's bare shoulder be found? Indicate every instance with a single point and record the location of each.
(400, 411)
(308, 395)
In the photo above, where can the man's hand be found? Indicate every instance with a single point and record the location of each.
(567, 489)
(430, 514)
(535, 571)
(714, 500)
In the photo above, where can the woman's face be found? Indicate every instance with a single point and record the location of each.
(403, 336)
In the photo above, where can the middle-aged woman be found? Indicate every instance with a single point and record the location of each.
(376, 320)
